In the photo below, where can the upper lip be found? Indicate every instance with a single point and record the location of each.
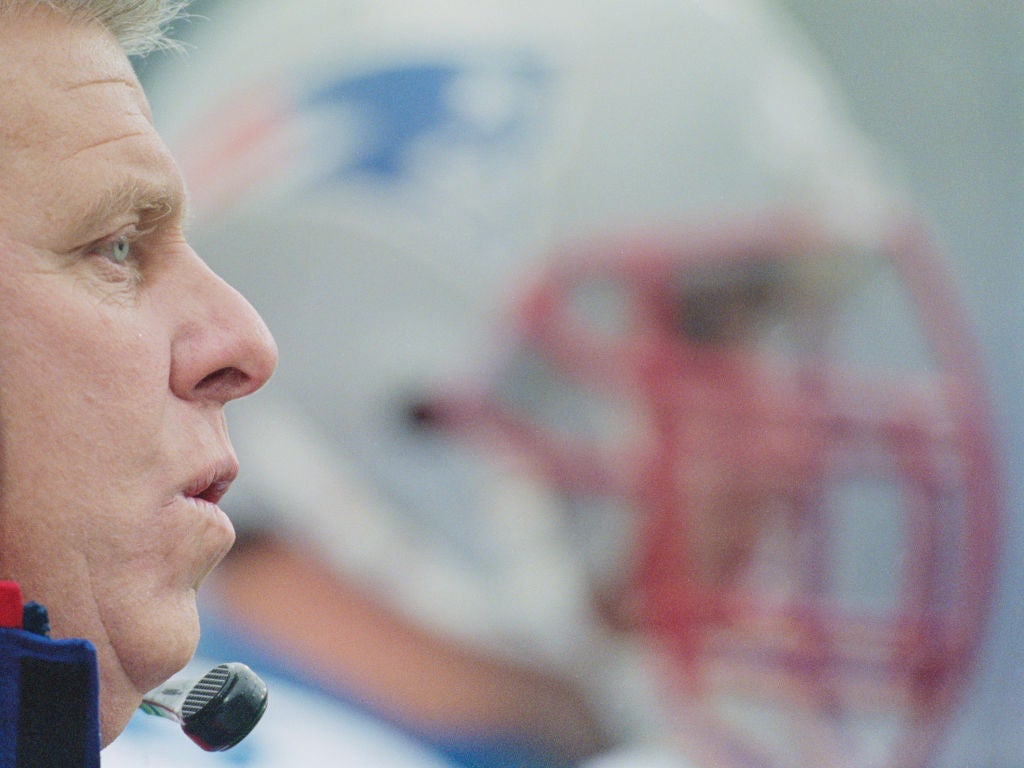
(213, 482)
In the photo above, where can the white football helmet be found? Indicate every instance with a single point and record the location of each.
(599, 326)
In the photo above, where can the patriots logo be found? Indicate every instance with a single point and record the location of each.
(388, 126)
(405, 107)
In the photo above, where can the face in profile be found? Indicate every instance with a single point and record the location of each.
(118, 351)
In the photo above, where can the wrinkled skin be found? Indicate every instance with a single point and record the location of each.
(118, 351)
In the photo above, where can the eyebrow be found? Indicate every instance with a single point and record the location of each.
(131, 196)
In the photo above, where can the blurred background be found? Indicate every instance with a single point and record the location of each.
(939, 88)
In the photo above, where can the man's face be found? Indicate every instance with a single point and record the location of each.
(118, 350)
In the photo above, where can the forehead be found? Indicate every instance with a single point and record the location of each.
(73, 119)
(44, 58)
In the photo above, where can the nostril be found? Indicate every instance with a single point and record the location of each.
(223, 381)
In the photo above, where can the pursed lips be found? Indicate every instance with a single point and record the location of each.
(212, 485)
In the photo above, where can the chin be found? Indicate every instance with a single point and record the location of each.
(140, 660)
(172, 648)
(151, 649)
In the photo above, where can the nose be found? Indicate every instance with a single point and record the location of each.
(222, 349)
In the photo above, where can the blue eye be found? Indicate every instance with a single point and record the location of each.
(119, 250)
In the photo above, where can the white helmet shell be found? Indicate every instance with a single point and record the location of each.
(380, 178)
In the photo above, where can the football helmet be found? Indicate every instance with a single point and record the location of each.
(601, 327)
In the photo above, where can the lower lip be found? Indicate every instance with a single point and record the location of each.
(209, 508)
(212, 535)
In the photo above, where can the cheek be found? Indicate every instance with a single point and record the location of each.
(83, 391)
(83, 429)
(140, 557)
(89, 375)
(64, 347)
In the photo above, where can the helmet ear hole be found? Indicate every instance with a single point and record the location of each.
(420, 413)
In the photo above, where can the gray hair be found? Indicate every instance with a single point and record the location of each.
(140, 26)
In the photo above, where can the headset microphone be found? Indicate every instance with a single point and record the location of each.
(216, 711)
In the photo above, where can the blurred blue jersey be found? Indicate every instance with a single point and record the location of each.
(307, 725)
